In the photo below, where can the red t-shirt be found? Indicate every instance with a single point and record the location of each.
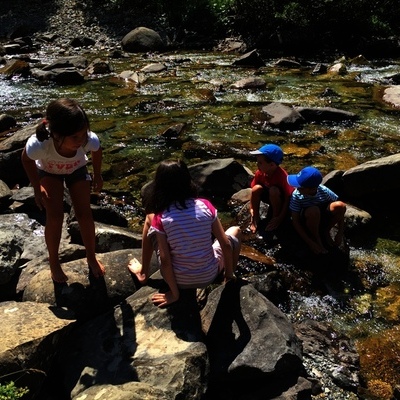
(278, 179)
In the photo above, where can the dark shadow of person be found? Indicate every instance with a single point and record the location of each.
(229, 333)
(84, 301)
(185, 317)
(184, 314)
(88, 351)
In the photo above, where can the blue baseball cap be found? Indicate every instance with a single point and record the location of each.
(271, 151)
(308, 177)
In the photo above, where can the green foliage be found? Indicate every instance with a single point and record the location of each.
(8, 391)
(337, 22)
(263, 19)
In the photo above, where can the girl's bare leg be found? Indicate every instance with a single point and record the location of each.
(235, 232)
(255, 200)
(80, 196)
(141, 270)
(53, 203)
(338, 209)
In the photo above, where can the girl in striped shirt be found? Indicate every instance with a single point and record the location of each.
(185, 226)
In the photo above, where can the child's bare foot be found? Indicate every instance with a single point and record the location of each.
(318, 248)
(135, 267)
(97, 268)
(58, 275)
(253, 227)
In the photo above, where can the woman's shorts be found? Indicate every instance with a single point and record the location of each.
(81, 174)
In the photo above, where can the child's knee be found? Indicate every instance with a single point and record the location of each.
(338, 207)
(234, 231)
(256, 191)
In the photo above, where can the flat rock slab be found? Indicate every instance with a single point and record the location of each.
(27, 322)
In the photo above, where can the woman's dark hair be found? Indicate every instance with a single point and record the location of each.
(64, 117)
(172, 185)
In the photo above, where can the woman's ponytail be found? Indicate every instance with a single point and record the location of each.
(42, 133)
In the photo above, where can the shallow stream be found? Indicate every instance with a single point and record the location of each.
(220, 122)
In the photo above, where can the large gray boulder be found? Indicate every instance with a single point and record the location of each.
(220, 177)
(375, 176)
(282, 116)
(31, 334)
(142, 39)
(136, 342)
(252, 343)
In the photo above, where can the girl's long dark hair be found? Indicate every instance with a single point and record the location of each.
(172, 185)
(64, 117)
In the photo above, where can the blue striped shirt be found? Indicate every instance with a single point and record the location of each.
(299, 201)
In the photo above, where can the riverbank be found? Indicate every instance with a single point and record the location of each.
(183, 28)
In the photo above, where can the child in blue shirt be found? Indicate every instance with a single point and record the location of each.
(315, 210)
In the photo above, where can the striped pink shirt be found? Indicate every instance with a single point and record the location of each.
(189, 236)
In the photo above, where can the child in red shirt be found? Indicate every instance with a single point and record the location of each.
(270, 186)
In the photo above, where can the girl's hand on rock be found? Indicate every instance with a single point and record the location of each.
(164, 299)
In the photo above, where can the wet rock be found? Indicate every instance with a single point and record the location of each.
(82, 41)
(321, 342)
(327, 114)
(173, 131)
(108, 237)
(154, 68)
(221, 177)
(287, 63)
(15, 67)
(78, 62)
(67, 76)
(207, 95)
(61, 76)
(282, 116)
(339, 69)
(251, 59)
(328, 92)
(133, 76)
(5, 196)
(7, 122)
(99, 67)
(360, 60)
(320, 69)
(249, 83)
(232, 45)
(13, 48)
(391, 95)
